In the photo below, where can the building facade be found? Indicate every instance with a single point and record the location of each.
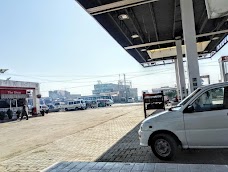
(59, 94)
(117, 91)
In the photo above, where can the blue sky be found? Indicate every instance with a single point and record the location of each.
(58, 44)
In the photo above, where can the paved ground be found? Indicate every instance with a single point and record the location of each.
(127, 149)
(133, 167)
(100, 135)
(127, 104)
(65, 136)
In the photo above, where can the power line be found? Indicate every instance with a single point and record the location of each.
(82, 85)
(105, 82)
(76, 80)
(87, 78)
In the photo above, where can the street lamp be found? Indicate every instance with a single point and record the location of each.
(3, 70)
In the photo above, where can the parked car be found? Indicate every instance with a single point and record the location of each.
(91, 104)
(44, 108)
(81, 104)
(70, 106)
(199, 121)
(131, 100)
(75, 105)
(101, 103)
(59, 105)
(105, 102)
(109, 102)
(53, 108)
(94, 104)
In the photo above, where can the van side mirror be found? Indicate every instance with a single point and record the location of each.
(189, 109)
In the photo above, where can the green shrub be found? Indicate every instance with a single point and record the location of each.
(2, 115)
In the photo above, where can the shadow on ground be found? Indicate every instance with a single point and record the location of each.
(127, 149)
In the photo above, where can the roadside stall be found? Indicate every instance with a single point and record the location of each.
(153, 102)
(15, 94)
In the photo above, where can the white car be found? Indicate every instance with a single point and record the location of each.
(199, 121)
(44, 107)
(131, 100)
(109, 102)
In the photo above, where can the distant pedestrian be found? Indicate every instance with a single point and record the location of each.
(24, 113)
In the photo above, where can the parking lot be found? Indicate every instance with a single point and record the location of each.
(100, 135)
(65, 136)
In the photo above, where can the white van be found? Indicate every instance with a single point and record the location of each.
(75, 105)
(70, 106)
(199, 121)
(60, 105)
(81, 104)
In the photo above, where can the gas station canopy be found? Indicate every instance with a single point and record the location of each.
(147, 29)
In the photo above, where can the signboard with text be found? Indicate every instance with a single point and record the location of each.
(153, 101)
(13, 94)
(12, 91)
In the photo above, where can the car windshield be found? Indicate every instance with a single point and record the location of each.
(183, 102)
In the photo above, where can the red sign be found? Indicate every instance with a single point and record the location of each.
(12, 91)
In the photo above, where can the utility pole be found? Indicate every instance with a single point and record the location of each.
(125, 87)
(119, 89)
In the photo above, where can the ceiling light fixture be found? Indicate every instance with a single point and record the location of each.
(134, 36)
(215, 38)
(143, 50)
(123, 17)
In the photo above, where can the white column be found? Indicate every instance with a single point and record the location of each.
(10, 104)
(180, 66)
(188, 23)
(36, 101)
(222, 71)
(177, 79)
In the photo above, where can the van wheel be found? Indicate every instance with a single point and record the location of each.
(164, 146)
(66, 109)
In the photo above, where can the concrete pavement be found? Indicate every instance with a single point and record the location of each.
(133, 167)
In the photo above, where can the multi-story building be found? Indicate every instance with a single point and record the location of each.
(59, 94)
(117, 91)
(75, 96)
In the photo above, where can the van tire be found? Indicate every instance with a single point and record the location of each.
(66, 109)
(164, 146)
